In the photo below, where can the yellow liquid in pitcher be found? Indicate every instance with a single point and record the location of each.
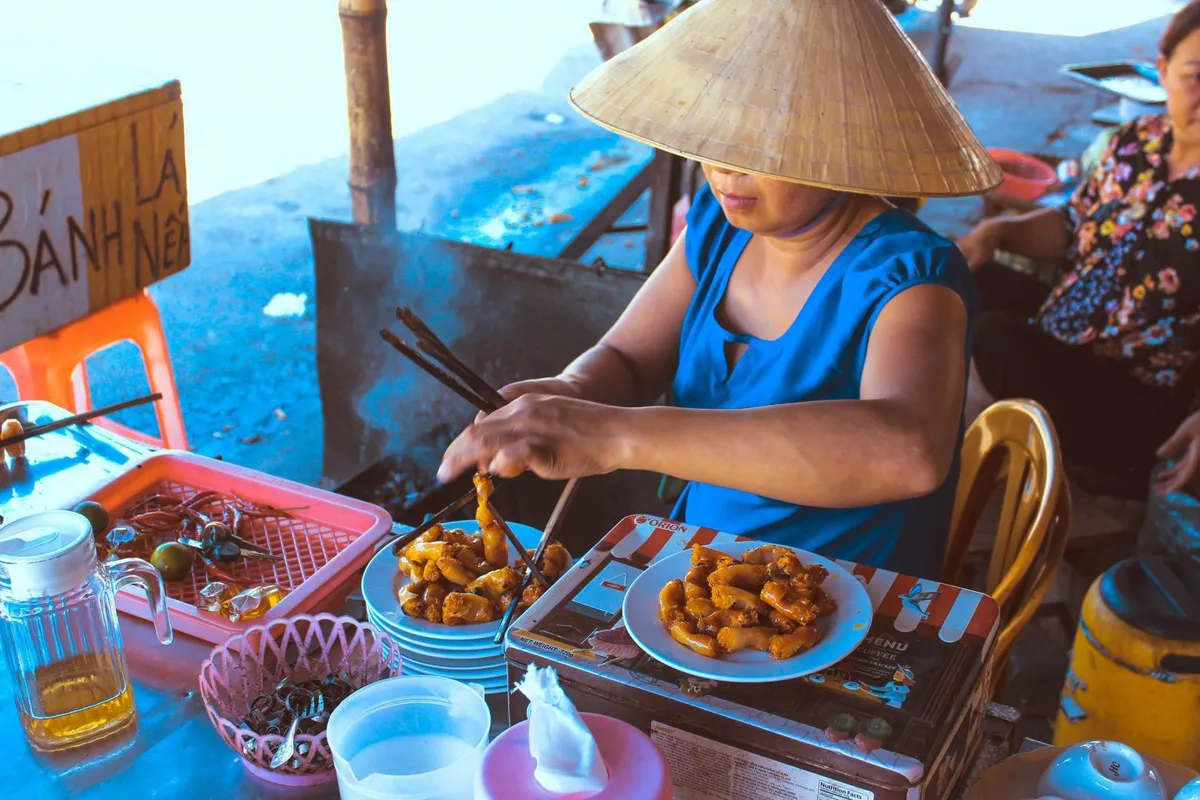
(81, 700)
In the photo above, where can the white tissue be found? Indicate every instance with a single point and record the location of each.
(568, 760)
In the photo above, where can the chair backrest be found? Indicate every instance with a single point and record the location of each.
(1013, 442)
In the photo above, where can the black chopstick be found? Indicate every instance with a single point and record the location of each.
(556, 519)
(436, 372)
(76, 419)
(431, 343)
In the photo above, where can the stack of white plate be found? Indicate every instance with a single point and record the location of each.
(461, 652)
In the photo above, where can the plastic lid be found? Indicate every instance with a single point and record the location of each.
(1157, 594)
(46, 554)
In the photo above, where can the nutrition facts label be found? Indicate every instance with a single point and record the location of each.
(703, 769)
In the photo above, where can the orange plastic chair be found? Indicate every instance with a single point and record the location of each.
(53, 368)
(1013, 442)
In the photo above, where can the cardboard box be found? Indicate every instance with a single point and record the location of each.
(912, 696)
(93, 202)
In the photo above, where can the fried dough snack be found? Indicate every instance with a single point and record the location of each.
(750, 577)
(493, 585)
(460, 608)
(495, 545)
(768, 601)
(459, 578)
(733, 639)
(733, 597)
(703, 644)
(786, 645)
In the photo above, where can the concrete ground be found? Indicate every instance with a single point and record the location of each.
(478, 94)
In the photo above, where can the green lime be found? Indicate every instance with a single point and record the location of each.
(95, 513)
(173, 560)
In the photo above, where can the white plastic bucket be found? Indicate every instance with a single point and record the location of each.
(409, 738)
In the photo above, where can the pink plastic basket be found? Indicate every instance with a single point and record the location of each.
(322, 545)
(299, 647)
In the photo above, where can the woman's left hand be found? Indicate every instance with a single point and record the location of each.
(1186, 438)
(553, 437)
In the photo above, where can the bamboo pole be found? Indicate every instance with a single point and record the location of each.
(372, 157)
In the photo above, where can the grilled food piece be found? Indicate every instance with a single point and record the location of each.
(433, 598)
(411, 603)
(733, 639)
(421, 552)
(733, 597)
(493, 585)
(786, 645)
(780, 597)
(460, 608)
(697, 608)
(698, 576)
(764, 555)
(453, 570)
(670, 601)
(704, 557)
(782, 623)
(750, 577)
(726, 618)
(698, 642)
(555, 559)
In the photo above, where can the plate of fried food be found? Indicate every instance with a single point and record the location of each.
(747, 612)
(456, 582)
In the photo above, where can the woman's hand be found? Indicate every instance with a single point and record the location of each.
(980, 245)
(1187, 439)
(556, 387)
(553, 437)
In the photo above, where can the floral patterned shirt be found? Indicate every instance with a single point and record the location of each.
(1133, 291)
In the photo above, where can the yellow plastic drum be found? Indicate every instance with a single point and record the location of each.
(1135, 669)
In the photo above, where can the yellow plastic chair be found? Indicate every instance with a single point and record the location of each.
(1013, 443)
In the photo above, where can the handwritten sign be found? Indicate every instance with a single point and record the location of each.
(93, 208)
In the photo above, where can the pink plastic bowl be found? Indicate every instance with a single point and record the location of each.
(256, 660)
(1025, 176)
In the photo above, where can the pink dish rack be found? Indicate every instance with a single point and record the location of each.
(323, 544)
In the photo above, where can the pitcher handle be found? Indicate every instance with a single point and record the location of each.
(137, 570)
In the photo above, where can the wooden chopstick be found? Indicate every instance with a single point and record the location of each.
(556, 520)
(76, 419)
(436, 372)
(431, 343)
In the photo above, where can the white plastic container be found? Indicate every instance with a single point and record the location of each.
(409, 738)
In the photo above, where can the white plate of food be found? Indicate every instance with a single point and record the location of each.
(747, 612)
(470, 585)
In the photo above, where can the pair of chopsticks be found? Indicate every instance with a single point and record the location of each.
(556, 520)
(463, 381)
(76, 419)
(469, 386)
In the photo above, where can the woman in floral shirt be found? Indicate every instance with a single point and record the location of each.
(1107, 350)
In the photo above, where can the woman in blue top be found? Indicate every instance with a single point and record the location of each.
(813, 335)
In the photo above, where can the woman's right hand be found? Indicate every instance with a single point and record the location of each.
(980, 245)
(558, 387)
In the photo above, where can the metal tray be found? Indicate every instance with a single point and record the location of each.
(1132, 80)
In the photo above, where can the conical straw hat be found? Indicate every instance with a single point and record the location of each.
(825, 92)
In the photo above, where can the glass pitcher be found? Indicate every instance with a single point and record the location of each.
(59, 632)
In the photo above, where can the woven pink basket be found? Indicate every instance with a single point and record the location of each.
(299, 647)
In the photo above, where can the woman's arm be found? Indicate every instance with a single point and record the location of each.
(896, 442)
(635, 360)
(1042, 235)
